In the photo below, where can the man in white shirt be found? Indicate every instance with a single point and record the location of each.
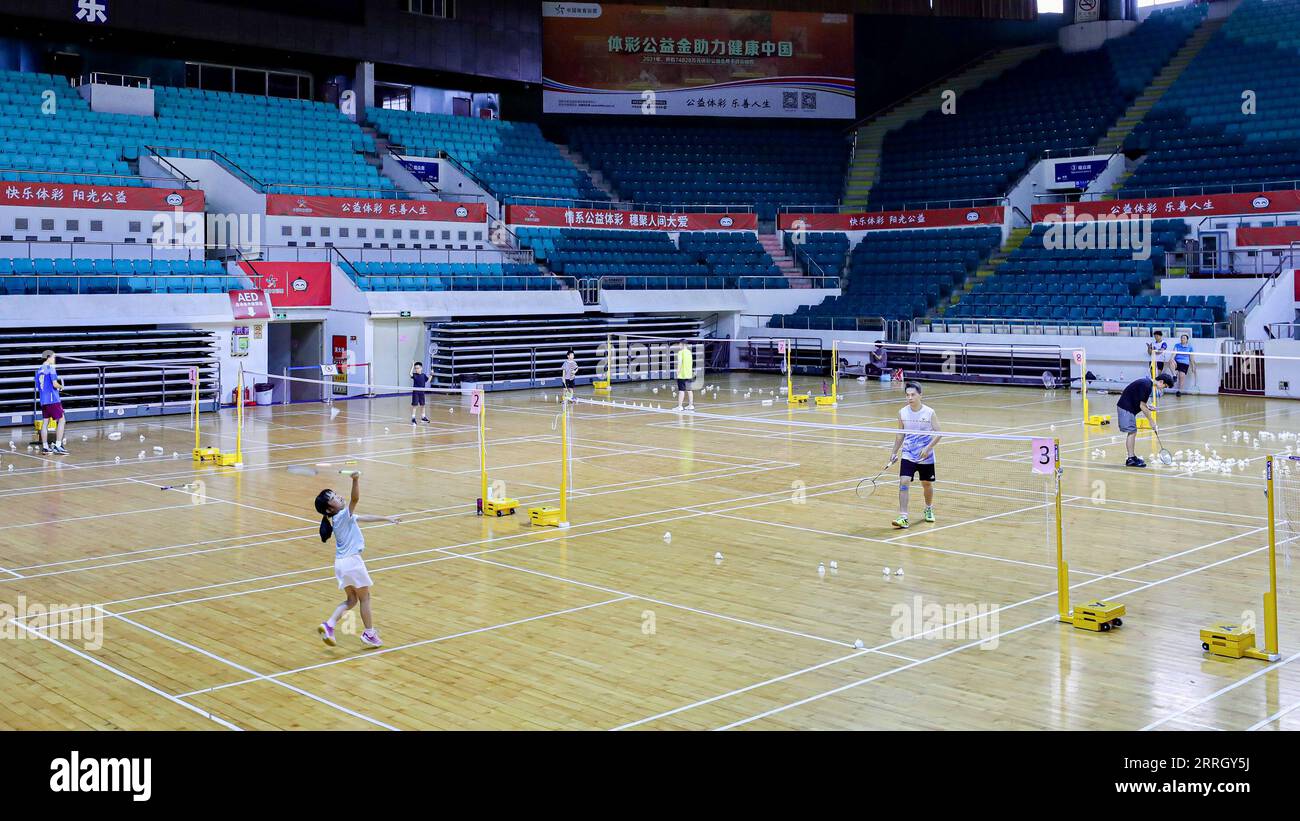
(918, 435)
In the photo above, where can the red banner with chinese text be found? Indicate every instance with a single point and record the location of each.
(288, 205)
(886, 220)
(560, 217)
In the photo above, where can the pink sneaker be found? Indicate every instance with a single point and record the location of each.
(326, 633)
(372, 638)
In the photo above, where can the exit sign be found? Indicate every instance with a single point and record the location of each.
(405, 314)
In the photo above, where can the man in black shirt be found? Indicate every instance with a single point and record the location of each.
(1133, 401)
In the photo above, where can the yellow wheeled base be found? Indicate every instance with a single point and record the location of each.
(227, 460)
(600, 387)
(798, 399)
(207, 454)
(1233, 641)
(824, 401)
(1099, 419)
(498, 507)
(1098, 616)
(546, 517)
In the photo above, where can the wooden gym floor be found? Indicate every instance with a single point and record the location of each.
(212, 596)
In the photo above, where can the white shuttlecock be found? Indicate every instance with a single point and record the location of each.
(1053, 427)
(821, 569)
(655, 390)
(117, 458)
(12, 446)
(835, 565)
(717, 556)
(157, 449)
(451, 410)
(141, 456)
(142, 437)
(114, 436)
(85, 438)
(668, 537)
(898, 572)
(885, 571)
(334, 412)
(358, 440)
(544, 399)
(11, 467)
(858, 645)
(385, 430)
(175, 455)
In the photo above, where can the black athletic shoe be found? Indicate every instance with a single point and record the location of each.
(1134, 462)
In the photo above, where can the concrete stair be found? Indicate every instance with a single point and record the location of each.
(772, 244)
(1113, 193)
(871, 135)
(1113, 139)
(989, 267)
(580, 162)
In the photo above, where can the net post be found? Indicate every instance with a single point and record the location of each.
(564, 464)
(1270, 598)
(835, 370)
(482, 452)
(1062, 569)
(239, 430)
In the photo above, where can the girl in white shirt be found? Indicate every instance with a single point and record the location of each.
(340, 520)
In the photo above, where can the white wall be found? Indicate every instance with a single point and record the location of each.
(255, 362)
(1088, 36)
(224, 192)
(89, 310)
(307, 239)
(121, 234)
(1276, 304)
(118, 99)
(1278, 371)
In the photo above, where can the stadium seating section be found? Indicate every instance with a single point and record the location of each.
(453, 276)
(763, 167)
(73, 145)
(819, 253)
(1197, 138)
(1052, 102)
(1087, 286)
(639, 260)
(899, 275)
(510, 158)
(297, 146)
(122, 276)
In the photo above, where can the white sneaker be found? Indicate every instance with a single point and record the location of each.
(371, 638)
(678, 409)
(690, 409)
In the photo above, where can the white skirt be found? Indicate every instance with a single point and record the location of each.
(351, 572)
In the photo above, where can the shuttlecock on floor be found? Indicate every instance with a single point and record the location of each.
(821, 569)
(175, 455)
(334, 412)
(835, 565)
(717, 556)
(141, 456)
(898, 572)
(114, 436)
(142, 437)
(858, 645)
(157, 449)
(668, 537)
(117, 459)
(885, 571)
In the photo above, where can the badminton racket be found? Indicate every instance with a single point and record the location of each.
(1165, 457)
(868, 486)
(312, 470)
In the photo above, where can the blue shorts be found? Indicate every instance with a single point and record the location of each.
(1128, 422)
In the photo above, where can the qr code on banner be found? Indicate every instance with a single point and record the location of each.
(808, 100)
(789, 100)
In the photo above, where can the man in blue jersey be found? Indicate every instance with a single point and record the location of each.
(48, 386)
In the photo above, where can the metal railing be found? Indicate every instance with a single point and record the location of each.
(627, 205)
(109, 78)
(138, 181)
(105, 284)
(924, 205)
(977, 361)
(118, 384)
(94, 249)
(1233, 262)
(254, 183)
(1072, 327)
(678, 282)
(1206, 190)
(434, 255)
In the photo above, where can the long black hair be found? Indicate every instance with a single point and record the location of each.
(323, 508)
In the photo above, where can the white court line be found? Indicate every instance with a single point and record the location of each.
(409, 645)
(258, 676)
(127, 676)
(1275, 717)
(1224, 690)
(93, 516)
(1054, 617)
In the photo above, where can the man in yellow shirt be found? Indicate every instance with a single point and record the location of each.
(685, 362)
